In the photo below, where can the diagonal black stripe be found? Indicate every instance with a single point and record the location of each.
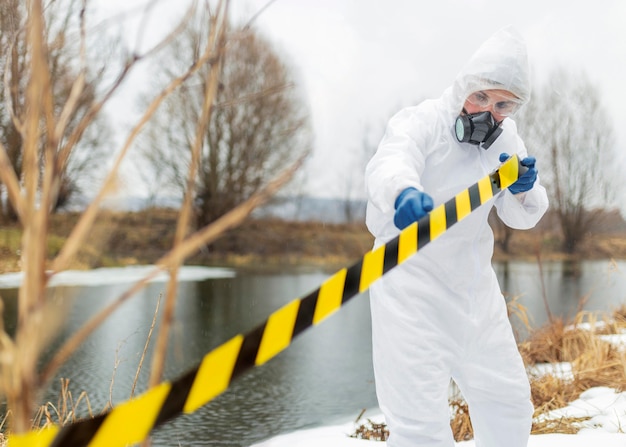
(249, 350)
(495, 182)
(474, 195)
(423, 231)
(78, 434)
(353, 281)
(82, 432)
(306, 311)
(391, 254)
(176, 398)
(451, 213)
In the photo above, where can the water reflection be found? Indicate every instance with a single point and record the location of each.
(324, 376)
(572, 268)
(324, 373)
(565, 289)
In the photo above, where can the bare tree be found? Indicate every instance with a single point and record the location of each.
(46, 142)
(258, 126)
(77, 166)
(371, 134)
(569, 129)
(12, 65)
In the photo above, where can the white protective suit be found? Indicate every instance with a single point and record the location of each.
(441, 314)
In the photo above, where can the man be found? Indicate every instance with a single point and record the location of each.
(441, 314)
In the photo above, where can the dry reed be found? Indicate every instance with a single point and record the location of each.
(461, 424)
(47, 144)
(372, 431)
(594, 362)
(65, 411)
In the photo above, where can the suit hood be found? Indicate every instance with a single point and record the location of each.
(501, 62)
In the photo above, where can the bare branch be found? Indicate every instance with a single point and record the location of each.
(256, 16)
(174, 258)
(76, 135)
(229, 220)
(31, 292)
(257, 95)
(78, 85)
(145, 348)
(8, 74)
(9, 178)
(85, 223)
(216, 40)
(87, 119)
(175, 32)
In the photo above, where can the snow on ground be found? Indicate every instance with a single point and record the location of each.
(117, 275)
(561, 370)
(606, 408)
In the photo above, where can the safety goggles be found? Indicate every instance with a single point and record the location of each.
(501, 106)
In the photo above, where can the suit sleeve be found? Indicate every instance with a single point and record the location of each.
(400, 159)
(522, 211)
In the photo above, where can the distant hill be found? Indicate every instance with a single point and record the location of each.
(307, 209)
(328, 210)
(298, 209)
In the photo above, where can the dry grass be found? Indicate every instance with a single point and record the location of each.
(371, 431)
(142, 237)
(594, 362)
(66, 409)
(47, 143)
(461, 424)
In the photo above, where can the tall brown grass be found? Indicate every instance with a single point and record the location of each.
(594, 362)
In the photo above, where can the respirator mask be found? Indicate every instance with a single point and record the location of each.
(477, 128)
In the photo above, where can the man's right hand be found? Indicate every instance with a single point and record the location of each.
(411, 205)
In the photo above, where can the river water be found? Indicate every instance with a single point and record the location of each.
(325, 376)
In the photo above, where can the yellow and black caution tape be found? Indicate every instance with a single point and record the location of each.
(131, 422)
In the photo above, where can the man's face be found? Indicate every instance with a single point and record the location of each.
(501, 103)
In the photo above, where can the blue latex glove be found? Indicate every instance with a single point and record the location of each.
(526, 181)
(411, 205)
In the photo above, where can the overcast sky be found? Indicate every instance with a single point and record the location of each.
(360, 60)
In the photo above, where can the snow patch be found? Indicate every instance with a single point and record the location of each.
(561, 371)
(119, 275)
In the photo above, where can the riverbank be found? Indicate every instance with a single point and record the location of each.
(551, 348)
(576, 374)
(132, 238)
